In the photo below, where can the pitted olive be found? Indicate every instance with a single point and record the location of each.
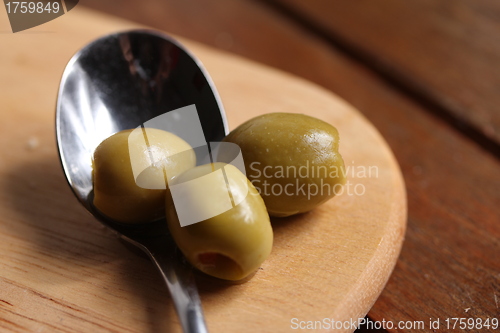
(219, 221)
(131, 170)
(292, 159)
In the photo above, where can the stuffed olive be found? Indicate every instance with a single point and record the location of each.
(131, 170)
(235, 235)
(292, 159)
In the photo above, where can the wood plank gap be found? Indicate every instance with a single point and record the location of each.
(394, 78)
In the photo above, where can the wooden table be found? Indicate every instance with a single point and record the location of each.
(427, 74)
(424, 72)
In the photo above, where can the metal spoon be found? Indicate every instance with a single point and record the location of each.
(119, 82)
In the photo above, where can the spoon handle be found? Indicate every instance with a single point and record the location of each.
(179, 278)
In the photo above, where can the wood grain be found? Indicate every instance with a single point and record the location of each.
(62, 272)
(447, 267)
(443, 52)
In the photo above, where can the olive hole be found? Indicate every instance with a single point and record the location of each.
(219, 265)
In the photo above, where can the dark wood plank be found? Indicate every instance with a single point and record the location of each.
(445, 52)
(448, 265)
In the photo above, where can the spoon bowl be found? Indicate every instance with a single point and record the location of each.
(122, 81)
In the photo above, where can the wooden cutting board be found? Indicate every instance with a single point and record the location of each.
(60, 271)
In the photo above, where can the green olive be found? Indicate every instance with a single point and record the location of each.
(292, 159)
(230, 234)
(131, 170)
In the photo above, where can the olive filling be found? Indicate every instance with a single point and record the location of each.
(218, 265)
